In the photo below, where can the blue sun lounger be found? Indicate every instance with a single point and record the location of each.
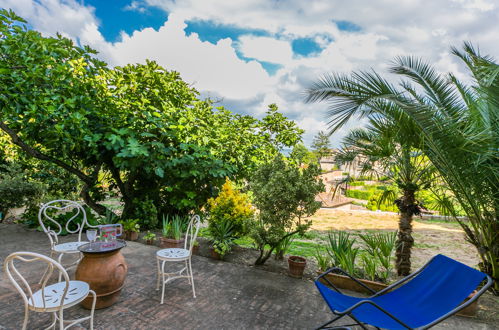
(418, 301)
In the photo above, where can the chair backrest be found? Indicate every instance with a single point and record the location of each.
(192, 232)
(21, 283)
(57, 207)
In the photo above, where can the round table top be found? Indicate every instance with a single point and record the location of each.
(102, 247)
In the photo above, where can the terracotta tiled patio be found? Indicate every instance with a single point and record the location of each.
(229, 296)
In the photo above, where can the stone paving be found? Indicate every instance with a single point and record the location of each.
(229, 296)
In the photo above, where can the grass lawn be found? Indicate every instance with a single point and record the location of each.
(431, 236)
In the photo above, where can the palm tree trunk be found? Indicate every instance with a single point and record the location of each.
(405, 240)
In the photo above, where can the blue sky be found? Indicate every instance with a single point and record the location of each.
(247, 54)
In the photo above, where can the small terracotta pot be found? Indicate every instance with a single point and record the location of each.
(168, 243)
(149, 241)
(296, 266)
(215, 255)
(195, 249)
(131, 235)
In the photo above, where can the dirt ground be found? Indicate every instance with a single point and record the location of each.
(430, 237)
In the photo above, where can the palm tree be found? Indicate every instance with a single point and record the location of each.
(457, 123)
(385, 149)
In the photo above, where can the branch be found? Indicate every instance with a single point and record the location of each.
(37, 154)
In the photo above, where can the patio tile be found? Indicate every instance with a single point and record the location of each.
(229, 296)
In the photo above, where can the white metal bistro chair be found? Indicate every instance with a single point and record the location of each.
(178, 255)
(54, 298)
(61, 249)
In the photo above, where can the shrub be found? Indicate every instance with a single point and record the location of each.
(222, 236)
(285, 195)
(230, 206)
(15, 190)
(358, 194)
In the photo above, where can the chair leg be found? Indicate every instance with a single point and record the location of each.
(329, 322)
(187, 270)
(192, 279)
(26, 317)
(61, 319)
(93, 309)
(158, 274)
(163, 282)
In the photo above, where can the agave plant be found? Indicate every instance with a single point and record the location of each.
(457, 125)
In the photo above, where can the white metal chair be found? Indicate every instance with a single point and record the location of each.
(58, 206)
(178, 255)
(53, 298)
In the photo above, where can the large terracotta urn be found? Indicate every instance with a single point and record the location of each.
(105, 272)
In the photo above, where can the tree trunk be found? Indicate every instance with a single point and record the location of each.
(263, 256)
(405, 240)
(85, 195)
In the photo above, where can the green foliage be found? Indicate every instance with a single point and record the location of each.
(321, 144)
(359, 194)
(342, 252)
(356, 183)
(455, 125)
(145, 210)
(222, 236)
(174, 226)
(284, 195)
(131, 225)
(230, 206)
(380, 247)
(139, 129)
(301, 155)
(16, 190)
(283, 247)
(150, 236)
(323, 259)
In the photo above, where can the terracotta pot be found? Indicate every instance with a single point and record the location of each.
(105, 273)
(195, 249)
(215, 255)
(149, 241)
(296, 266)
(131, 235)
(470, 310)
(345, 282)
(168, 243)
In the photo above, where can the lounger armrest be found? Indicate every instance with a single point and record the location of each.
(339, 270)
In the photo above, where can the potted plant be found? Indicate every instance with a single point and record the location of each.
(222, 236)
(172, 232)
(131, 229)
(150, 238)
(296, 266)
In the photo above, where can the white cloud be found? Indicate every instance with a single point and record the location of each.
(210, 67)
(266, 49)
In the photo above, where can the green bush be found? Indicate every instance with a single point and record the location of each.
(285, 196)
(230, 206)
(16, 190)
(356, 183)
(358, 194)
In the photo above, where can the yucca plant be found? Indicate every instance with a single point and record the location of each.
(456, 126)
(324, 260)
(341, 250)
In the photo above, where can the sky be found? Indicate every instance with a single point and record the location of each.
(247, 54)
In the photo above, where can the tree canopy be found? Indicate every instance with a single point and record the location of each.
(139, 127)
